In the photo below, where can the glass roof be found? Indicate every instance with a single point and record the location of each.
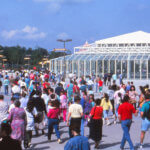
(105, 56)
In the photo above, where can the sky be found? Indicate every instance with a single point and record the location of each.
(39, 23)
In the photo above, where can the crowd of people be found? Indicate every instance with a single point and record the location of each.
(42, 100)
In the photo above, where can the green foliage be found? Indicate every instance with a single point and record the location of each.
(15, 55)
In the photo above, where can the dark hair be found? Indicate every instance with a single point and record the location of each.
(1, 97)
(106, 97)
(132, 87)
(45, 91)
(30, 106)
(75, 127)
(17, 103)
(98, 102)
(77, 98)
(55, 103)
(52, 96)
(6, 128)
(13, 99)
(142, 89)
(147, 96)
(126, 98)
(84, 92)
(91, 95)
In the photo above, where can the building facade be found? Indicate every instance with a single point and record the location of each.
(127, 54)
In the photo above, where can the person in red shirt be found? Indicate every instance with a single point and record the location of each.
(125, 112)
(46, 84)
(53, 120)
(100, 83)
(96, 123)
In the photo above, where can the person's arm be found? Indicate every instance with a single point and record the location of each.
(136, 113)
(69, 115)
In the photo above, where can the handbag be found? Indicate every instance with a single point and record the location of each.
(90, 121)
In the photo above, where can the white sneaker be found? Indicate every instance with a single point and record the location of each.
(115, 122)
(141, 146)
(108, 123)
(59, 141)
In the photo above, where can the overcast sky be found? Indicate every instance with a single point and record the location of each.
(33, 23)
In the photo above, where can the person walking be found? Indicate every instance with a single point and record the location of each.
(125, 112)
(106, 104)
(6, 85)
(96, 123)
(17, 117)
(76, 113)
(53, 120)
(3, 109)
(145, 115)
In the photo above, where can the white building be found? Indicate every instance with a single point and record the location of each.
(127, 54)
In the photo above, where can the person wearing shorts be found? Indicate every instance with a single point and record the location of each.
(145, 118)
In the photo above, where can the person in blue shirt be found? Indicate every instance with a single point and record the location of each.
(145, 114)
(6, 85)
(78, 142)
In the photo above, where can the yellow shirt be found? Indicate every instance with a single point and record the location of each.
(106, 105)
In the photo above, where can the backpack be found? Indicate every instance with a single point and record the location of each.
(147, 113)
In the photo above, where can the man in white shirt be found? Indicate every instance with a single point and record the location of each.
(16, 91)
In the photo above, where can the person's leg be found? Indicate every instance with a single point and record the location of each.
(142, 137)
(55, 125)
(126, 128)
(64, 114)
(50, 128)
(7, 89)
(82, 126)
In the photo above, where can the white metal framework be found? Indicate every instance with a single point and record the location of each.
(127, 54)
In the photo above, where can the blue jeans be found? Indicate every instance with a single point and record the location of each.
(82, 126)
(96, 84)
(126, 124)
(53, 123)
(6, 89)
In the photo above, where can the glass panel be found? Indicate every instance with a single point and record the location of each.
(87, 68)
(75, 67)
(144, 69)
(137, 69)
(70, 66)
(99, 68)
(149, 69)
(131, 69)
(124, 68)
(118, 64)
(105, 66)
(93, 67)
(112, 66)
(58, 66)
(81, 68)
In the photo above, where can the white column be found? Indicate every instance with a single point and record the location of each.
(84, 68)
(140, 69)
(55, 67)
(147, 69)
(90, 67)
(103, 67)
(121, 67)
(115, 67)
(134, 69)
(61, 67)
(96, 68)
(72, 67)
(78, 68)
(67, 67)
(50, 65)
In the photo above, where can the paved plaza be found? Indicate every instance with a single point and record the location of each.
(112, 134)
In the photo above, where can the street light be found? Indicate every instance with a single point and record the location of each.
(27, 58)
(64, 41)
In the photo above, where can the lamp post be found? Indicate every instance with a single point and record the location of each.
(64, 41)
(27, 57)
